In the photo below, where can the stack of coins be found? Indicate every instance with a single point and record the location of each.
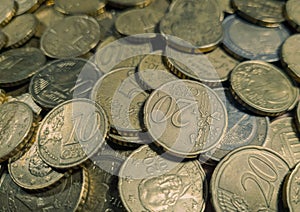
(149, 105)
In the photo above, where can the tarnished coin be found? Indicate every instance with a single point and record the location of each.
(290, 56)
(63, 80)
(8, 9)
(3, 40)
(31, 172)
(129, 3)
(71, 133)
(152, 72)
(248, 41)
(212, 68)
(20, 30)
(243, 128)
(27, 6)
(263, 88)
(69, 195)
(151, 182)
(138, 21)
(266, 13)
(73, 7)
(122, 101)
(283, 138)
(249, 179)
(291, 190)
(71, 37)
(17, 124)
(17, 66)
(292, 11)
(185, 117)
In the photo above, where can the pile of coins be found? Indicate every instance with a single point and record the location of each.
(149, 105)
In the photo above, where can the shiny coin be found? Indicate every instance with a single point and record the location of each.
(73, 36)
(152, 72)
(3, 40)
(290, 56)
(72, 7)
(248, 41)
(17, 124)
(266, 13)
(20, 30)
(292, 11)
(129, 3)
(122, 100)
(69, 195)
(243, 128)
(263, 88)
(63, 80)
(7, 11)
(17, 66)
(283, 139)
(31, 172)
(148, 180)
(27, 6)
(185, 117)
(291, 190)
(212, 68)
(71, 133)
(249, 179)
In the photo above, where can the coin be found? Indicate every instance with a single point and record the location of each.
(152, 72)
(106, 22)
(243, 129)
(7, 11)
(73, 7)
(122, 101)
(291, 189)
(185, 117)
(71, 133)
(17, 124)
(69, 195)
(266, 13)
(263, 88)
(3, 40)
(64, 40)
(249, 179)
(17, 66)
(290, 56)
(159, 5)
(245, 40)
(292, 10)
(130, 141)
(129, 3)
(212, 68)
(225, 6)
(20, 30)
(27, 6)
(283, 138)
(2, 96)
(148, 180)
(62, 80)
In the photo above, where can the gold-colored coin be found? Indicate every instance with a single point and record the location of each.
(73, 7)
(129, 3)
(292, 13)
(7, 11)
(185, 117)
(290, 56)
(17, 124)
(27, 6)
(71, 37)
(20, 30)
(151, 182)
(291, 188)
(71, 133)
(267, 13)
(2, 96)
(263, 88)
(3, 40)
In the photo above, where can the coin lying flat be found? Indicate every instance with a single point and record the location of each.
(291, 190)
(129, 3)
(266, 13)
(27, 6)
(263, 88)
(185, 117)
(20, 30)
(258, 174)
(292, 10)
(64, 40)
(248, 41)
(17, 66)
(17, 124)
(7, 11)
(71, 133)
(290, 56)
(62, 80)
(69, 195)
(150, 182)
